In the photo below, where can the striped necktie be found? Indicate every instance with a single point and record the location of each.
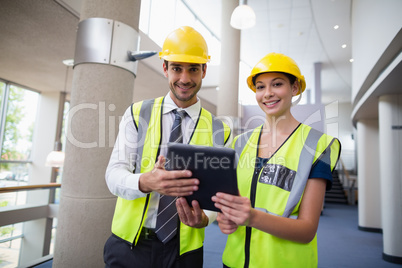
(167, 219)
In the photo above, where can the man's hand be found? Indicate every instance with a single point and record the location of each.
(193, 217)
(166, 182)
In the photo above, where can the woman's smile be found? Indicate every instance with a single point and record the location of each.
(271, 103)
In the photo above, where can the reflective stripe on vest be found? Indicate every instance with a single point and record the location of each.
(240, 143)
(145, 116)
(218, 132)
(303, 170)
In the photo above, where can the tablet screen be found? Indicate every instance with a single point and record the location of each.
(213, 166)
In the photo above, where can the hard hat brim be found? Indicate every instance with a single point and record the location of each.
(184, 58)
(301, 81)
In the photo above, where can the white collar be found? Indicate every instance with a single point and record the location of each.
(193, 111)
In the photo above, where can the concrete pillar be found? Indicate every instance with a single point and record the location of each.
(390, 159)
(317, 82)
(369, 176)
(100, 94)
(227, 105)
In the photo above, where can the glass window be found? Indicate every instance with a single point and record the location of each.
(18, 113)
(161, 20)
(14, 174)
(2, 90)
(9, 249)
(19, 124)
(144, 16)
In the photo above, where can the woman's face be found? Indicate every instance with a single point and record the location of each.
(274, 93)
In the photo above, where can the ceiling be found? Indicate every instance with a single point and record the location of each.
(301, 29)
(36, 36)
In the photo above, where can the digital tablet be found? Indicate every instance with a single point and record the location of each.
(213, 166)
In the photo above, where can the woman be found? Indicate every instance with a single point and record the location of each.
(283, 171)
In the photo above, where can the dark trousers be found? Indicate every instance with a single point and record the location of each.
(149, 252)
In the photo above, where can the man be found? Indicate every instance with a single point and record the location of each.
(141, 235)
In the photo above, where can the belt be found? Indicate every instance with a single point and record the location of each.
(148, 234)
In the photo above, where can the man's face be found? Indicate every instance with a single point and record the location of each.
(185, 80)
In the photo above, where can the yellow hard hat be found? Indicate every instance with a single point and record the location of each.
(185, 45)
(277, 62)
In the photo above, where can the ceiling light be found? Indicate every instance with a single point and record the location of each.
(336, 27)
(243, 17)
(56, 157)
(344, 46)
(351, 60)
(68, 62)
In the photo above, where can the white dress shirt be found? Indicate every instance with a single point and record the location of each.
(119, 173)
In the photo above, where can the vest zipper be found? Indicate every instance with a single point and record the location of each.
(253, 191)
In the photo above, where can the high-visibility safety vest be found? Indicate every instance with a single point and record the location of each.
(277, 189)
(129, 215)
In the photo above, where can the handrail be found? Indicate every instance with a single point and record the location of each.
(350, 183)
(29, 187)
(11, 238)
(346, 173)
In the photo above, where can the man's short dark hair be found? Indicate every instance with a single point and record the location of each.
(167, 63)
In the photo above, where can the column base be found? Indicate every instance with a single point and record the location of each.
(370, 229)
(393, 259)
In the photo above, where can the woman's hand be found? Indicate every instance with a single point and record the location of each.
(302, 230)
(227, 226)
(235, 208)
